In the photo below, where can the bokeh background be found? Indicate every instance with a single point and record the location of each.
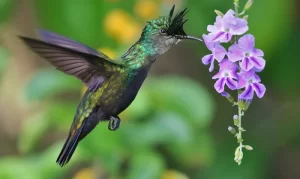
(177, 126)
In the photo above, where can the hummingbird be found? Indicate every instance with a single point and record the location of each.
(112, 85)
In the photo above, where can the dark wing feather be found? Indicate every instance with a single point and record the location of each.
(81, 64)
(61, 41)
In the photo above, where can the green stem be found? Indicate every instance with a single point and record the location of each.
(236, 9)
(240, 129)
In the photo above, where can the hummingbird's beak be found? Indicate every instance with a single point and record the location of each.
(188, 37)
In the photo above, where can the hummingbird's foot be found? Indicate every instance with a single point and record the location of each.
(113, 123)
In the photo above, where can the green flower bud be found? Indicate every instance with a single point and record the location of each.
(248, 5)
(244, 104)
(247, 104)
(231, 130)
(219, 13)
(248, 147)
(227, 96)
(238, 156)
(241, 104)
(246, 17)
(236, 120)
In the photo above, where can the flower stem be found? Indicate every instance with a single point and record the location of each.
(240, 139)
(236, 9)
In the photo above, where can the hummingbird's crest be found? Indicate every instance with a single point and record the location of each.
(175, 25)
(172, 25)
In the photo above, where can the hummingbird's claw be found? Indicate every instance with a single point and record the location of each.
(113, 123)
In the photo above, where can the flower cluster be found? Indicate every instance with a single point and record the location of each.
(238, 65)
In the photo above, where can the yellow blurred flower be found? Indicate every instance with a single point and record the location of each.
(86, 173)
(146, 9)
(121, 26)
(171, 2)
(130, 33)
(108, 51)
(114, 22)
(172, 174)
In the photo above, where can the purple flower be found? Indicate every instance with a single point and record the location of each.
(218, 52)
(251, 82)
(226, 75)
(227, 26)
(245, 52)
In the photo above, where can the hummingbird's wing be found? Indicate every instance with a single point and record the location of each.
(61, 41)
(72, 57)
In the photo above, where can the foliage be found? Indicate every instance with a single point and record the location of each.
(174, 128)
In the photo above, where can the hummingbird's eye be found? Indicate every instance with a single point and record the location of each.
(163, 31)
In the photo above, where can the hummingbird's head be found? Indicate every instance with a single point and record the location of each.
(166, 31)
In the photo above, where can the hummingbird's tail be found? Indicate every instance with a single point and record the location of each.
(69, 147)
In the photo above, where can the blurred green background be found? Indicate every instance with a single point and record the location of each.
(177, 126)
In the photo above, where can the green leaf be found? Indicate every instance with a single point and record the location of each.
(273, 18)
(140, 107)
(106, 146)
(254, 165)
(182, 97)
(33, 129)
(12, 167)
(147, 165)
(48, 82)
(198, 152)
(6, 7)
(46, 165)
(61, 113)
(79, 18)
(163, 128)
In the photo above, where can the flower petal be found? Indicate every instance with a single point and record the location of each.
(246, 64)
(217, 36)
(240, 28)
(226, 38)
(259, 89)
(242, 83)
(211, 67)
(218, 75)
(247, 43)
(207, 40)
(231, 83)
(219, 85)
(235, 53)
(229, 20)
(219, 52)
(207, 59)
(247, 94)
(227, 65)
(217, 25)
(255, 78)
(257, 52)
(212, 28)
(225, 94)
(249, 76)
(258, 62)
(233, 73)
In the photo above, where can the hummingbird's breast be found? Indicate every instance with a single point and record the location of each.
(122, 89)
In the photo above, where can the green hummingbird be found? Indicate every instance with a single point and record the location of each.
(112, 84)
